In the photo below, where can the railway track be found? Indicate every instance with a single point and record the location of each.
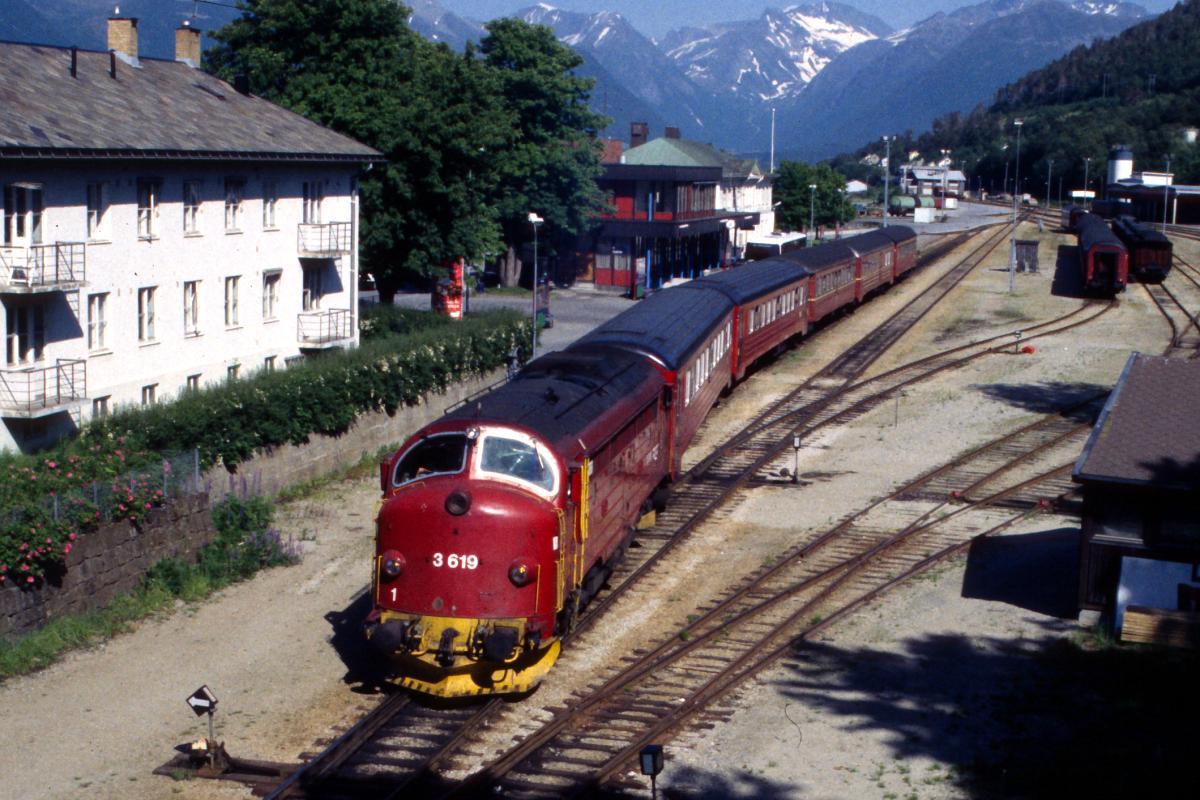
(656, 693)
(380, 757)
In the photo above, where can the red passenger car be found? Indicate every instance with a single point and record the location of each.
(1103, 259)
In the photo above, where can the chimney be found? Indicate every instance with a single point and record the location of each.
(187, 45)
(639, 132)
(672, 132)
(123, 37)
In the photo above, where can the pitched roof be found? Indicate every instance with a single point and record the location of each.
(159, 109)
(671, 152)
(1148, 433)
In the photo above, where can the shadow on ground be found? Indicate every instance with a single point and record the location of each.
(1079, 401)
(1037, 571)
(1068, 280)
(364, 668)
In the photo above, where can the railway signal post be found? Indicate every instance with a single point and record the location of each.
(203, 701)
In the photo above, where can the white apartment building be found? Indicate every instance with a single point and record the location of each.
(162, 231)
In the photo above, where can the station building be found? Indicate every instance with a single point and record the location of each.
(1150, 196)
(680, 208)
(921, 180)
(1140, 474)
(162, 230)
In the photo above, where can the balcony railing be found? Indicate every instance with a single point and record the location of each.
(43, 266)
(323, 240)
(324, 328)
(34, 391)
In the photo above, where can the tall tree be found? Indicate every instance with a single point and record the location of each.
(827, 204)
(551, 165)
(356, 67)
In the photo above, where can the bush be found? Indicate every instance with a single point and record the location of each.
(380, 322)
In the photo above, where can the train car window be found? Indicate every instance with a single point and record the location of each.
(517, 459)
(436, 455)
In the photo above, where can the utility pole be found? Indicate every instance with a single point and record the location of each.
(1049, 168)
(772, 140)
(887, 171)
(1087, 162)
(1166, 191)
(1012, 257)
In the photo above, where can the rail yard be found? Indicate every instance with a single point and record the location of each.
(744, 630)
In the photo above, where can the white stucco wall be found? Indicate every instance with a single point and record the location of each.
(119, 262)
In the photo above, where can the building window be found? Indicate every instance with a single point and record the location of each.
(97, 207)
(25, 334)
(270, 295)
(231, 372)
(146, 314)
(147, 213)
(191, 308)
(313, 195)
(231, 300)
(97, 320)
(234, 189)
(100, 406)
(269, 364)
(193, 383)
(191, 206)
(312, 289)
(293, 361)
(22, 214)
(269, 198)
(149, 394)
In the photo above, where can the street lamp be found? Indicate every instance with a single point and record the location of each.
(887, 173)
(812, 204)
(1049, 170)
(1166, 191)
(945, 173)
(1087, 162)
(1012, 255)
(535, 221)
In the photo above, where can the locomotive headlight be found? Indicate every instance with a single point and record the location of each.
(520, 573)
(393, 564)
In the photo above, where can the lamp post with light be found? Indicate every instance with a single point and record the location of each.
(1087, 162)
(887, 174)
(812, 205)
(535, 221)
(1166, 191)
(1012, 253)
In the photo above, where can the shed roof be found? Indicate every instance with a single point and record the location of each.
(669, 324)
(158, 109)
(1148, 433)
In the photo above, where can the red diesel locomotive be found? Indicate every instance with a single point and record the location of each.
(502, 519)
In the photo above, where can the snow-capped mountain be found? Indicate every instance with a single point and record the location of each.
(774, 56)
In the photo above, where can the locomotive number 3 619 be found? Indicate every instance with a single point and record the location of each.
(456, 561)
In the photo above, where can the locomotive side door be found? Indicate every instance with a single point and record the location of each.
(573, 542)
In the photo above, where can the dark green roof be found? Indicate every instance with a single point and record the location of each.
(669, 152)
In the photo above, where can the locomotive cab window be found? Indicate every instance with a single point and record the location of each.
(436, 455)
(516, 459)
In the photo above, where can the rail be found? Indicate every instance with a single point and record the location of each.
(43, 265)
(323, 239)
(324, 327)
(33, 389)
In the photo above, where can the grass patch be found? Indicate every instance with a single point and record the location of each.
(245, 544)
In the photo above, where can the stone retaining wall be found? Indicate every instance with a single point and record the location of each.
(108, 562)
(270, 471)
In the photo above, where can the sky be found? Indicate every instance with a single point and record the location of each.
(659, 16)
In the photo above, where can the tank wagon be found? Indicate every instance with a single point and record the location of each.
(1103, 259)
(1149, 250)
(502, 520)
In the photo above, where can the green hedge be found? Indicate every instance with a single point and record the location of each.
(229, 423)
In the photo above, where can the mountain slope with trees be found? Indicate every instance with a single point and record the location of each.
(1140, 88)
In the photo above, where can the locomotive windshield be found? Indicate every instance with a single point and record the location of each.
(433, 456)
(517, 459)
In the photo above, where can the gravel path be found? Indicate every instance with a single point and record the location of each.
(890, 704)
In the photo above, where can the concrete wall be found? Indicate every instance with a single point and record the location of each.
(108, 562)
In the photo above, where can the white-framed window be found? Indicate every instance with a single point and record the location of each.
(191, 207)
(22, 214)
(231, 300)
(269, 364)
(149, 394)
(270, 196)
(97, 210)
(313, 195)
(100, 406)
(234, 190)
(25, 334)
(146, 313)
(231, 372)
(148, 190)
(97, 320)
(270, 295)
(191, 308)
(193, 383)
